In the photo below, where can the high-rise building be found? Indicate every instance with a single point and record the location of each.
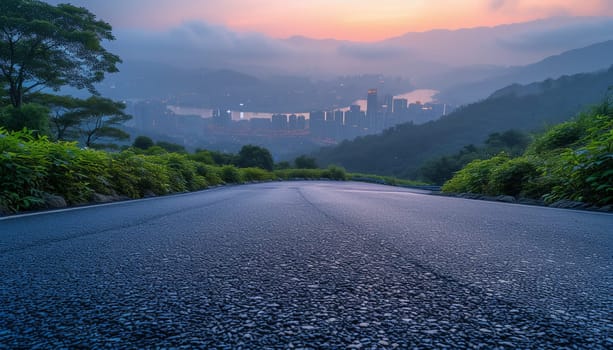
(293, 122)
(372, 108)
(388, 100)
(354, 116)
(279, 121)
(317, 123)
(372, 103)
(339, 117)
(400, 105)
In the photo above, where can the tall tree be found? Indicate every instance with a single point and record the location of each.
(46, 46)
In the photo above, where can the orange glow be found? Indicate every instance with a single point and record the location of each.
(359, 20)
(370, 21)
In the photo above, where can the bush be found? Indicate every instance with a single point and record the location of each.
(335, 173)
(289, 174)
(572, 161)
(474, 177)
(512, 177)
(31, 116)
(23, 170)
(230, 174)
(182, 173)
(255, 174)
(213, 175)
(136, 175)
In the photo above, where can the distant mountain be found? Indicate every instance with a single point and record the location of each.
(418, 55)
(586, 59)
(401, 150)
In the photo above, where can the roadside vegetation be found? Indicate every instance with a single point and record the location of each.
(37, 172)
(572, 161)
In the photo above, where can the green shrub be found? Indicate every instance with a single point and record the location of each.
(586, 173)
(289, 174)
(76, 174)
(230, 174)
(212, 175)
(474, 177)
(512, 177)
(31, 116)
(255, 174)
(23, 170)
(182, 172)
(335, 173)
(135, 175)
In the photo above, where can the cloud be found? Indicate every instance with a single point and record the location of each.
(551, 39)
(369, 52)
(496, 5)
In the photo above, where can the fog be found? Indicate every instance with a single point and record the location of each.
(414, 55)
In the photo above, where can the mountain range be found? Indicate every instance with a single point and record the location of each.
(476, 84)
(402, 149)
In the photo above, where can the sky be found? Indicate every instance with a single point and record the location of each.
(355, 20)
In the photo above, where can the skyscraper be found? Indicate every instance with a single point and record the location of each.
(372, 108)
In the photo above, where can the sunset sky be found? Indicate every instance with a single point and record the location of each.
(356, 20)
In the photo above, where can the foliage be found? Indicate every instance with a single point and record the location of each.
(230, 174)
(335, 172)
(384, 180)
(255, 174)
(282, 165)
(99, 121)
(255, 156)
(142, 142)
(474, 177)
(402, 150)
(572, 160)
(202, 156)
(586, 172)
(304, 162)
(439, 170)
(221, 158)
(51, 46)
(30, 116)
(171, 147)
(23, 165)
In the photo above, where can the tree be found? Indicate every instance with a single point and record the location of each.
(171, 147)
(64, 114)
(143, 142)
(304, 162)
(31, 116)
(255, 156)
(46, 46)
(99, 120)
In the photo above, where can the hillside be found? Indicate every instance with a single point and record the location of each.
(401, 150)
(478, 85)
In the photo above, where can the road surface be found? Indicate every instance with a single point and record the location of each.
(307, 265)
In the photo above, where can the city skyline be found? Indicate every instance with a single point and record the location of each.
(335, 19)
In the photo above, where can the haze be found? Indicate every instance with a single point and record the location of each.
(336, 19)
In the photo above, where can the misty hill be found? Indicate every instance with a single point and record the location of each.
(401, 150)
(586, 59)
(419, 55)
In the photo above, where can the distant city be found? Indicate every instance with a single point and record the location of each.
(322, 127)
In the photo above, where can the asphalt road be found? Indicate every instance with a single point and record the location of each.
(307, 265)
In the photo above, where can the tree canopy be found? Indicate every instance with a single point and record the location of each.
(46, 46)
(255, 156)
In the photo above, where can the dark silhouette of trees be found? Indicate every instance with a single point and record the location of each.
(304, 162)
(255, 156)
(143, 142)
(46, 46)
